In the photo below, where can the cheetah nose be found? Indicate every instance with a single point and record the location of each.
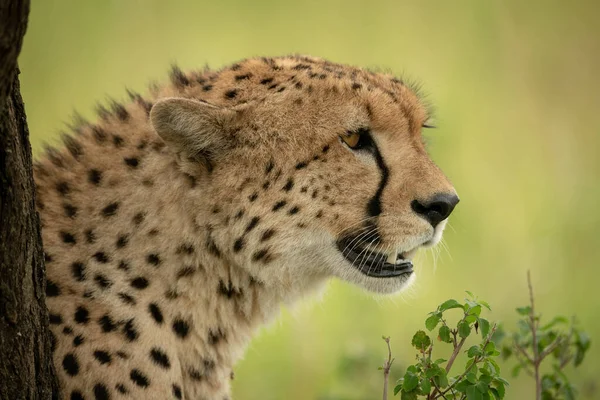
(437, 208)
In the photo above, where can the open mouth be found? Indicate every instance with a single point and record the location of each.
(375, 264)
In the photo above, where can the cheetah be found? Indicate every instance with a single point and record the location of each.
(177, 224)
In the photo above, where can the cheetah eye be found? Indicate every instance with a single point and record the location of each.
(357, 140)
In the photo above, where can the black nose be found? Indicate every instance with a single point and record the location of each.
(437, 208)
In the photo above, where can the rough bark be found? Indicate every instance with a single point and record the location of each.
(26, 369)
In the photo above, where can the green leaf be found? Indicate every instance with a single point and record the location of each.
(482, 387)
(425, 386)
(464, 330)
(397, 389)
(471, 318)
(408, 395)
(410, 382)
(470, 294)
(485, 304)
(500, 389)
(449, 304)
(473, 351)
(444, 334)
(555, 321)
(484, 325)
(432, 321)
(476, 310)
(421, 341)
(440, 360)
(524, 310)
(490, 348)
(462, 386)
(516, 370)
(473, 393)
(471, 377)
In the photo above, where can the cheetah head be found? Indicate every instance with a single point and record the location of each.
(309, 170)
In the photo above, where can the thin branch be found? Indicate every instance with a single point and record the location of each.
(455, 354)
(536, 356)
(387, 365)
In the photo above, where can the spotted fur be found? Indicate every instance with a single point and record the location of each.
(177, 223)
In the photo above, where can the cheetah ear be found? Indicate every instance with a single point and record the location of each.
(193, 129)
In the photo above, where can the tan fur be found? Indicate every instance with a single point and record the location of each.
(191, 203)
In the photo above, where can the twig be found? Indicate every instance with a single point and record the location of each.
(386, 368)
(455, 354)
(536, 356)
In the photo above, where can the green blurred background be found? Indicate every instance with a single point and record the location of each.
(516, 86)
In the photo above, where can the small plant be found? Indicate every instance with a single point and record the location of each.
(559, 340)
(530, 345)
(429, 377)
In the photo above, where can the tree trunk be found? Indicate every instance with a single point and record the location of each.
(26, 369)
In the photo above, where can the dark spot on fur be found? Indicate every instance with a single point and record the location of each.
(67, 330)
(122, 355)
(207, 88)
(155, 313)
(78, 270)
(90, 236)
(51, 289)
(185, 272)
(55, 319)
(139, 218)
(212, 248)
(160, 358)
(118, 141)
(70, 364)
(110, 209)
(181, 328)
(68, 238)
(101, 392)
(231, 94)
(102, 356)
(215, 336)
(140, 283)
(228, 290)
(185, 249)
(127, 299)
(267, 235)
(78, 340)
(178, 78)
(301, 165)
(280, 204)
(195, 374)
(153, 259)
(266, 81)
(177, 391)
(252, 224)
(121, 388)
(289, 185)
(129, 331)
(70, 210)
(94, 176)
(253, 197)
(132, 162)
(123, 265)
(238, 245)
(122, 241)
(76, 395)
(63, 188)
(82, 315)
(107, 324)
(101, 257)
(239, 214)
(243, 77)
(139, 378)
